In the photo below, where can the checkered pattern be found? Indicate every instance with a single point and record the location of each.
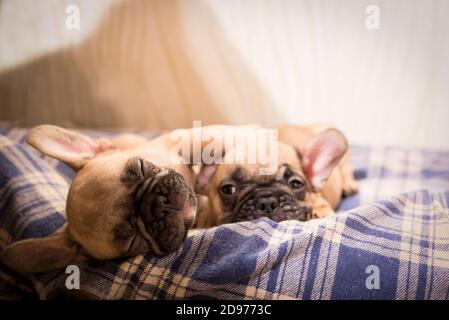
(403, 234)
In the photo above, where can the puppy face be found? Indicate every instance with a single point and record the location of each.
(240, 192)
(121, 203)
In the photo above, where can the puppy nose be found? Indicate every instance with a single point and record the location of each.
(168, 211)
(171, 196)
(172, 191)
(163, 205)
(267, 204)
(172, 201)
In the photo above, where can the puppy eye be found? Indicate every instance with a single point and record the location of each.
(295, 184)
(228, 189)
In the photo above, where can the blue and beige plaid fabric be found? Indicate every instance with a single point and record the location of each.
(392, 229)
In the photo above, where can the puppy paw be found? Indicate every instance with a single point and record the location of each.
(322, 212)
(350, 187)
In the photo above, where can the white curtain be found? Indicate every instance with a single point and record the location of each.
(162, 64)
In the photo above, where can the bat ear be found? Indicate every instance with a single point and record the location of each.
(321, 154)
(68, 146)
(207, 171)
(43, 254)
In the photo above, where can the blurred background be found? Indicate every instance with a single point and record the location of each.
(160, 64)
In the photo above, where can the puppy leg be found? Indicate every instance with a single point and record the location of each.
(323, 211)
(321, 208)
(349, 185)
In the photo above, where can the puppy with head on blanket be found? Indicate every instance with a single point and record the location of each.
(311, 174)
(129, 196)
(132, 196)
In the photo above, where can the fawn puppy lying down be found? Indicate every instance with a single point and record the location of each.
(131, 196)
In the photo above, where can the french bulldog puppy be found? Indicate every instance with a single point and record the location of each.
(313, 172)
(129, 196)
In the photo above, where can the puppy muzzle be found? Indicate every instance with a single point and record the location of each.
(272, 203)
(168, 211)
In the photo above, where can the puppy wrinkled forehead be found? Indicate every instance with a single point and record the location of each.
(243, 174)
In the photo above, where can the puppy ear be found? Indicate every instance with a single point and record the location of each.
(70, 147)
(321, 154)
(43, 254)
(203, 178)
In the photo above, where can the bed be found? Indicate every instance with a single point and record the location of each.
(389, 241)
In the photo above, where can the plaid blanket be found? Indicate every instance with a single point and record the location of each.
(391, 241)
